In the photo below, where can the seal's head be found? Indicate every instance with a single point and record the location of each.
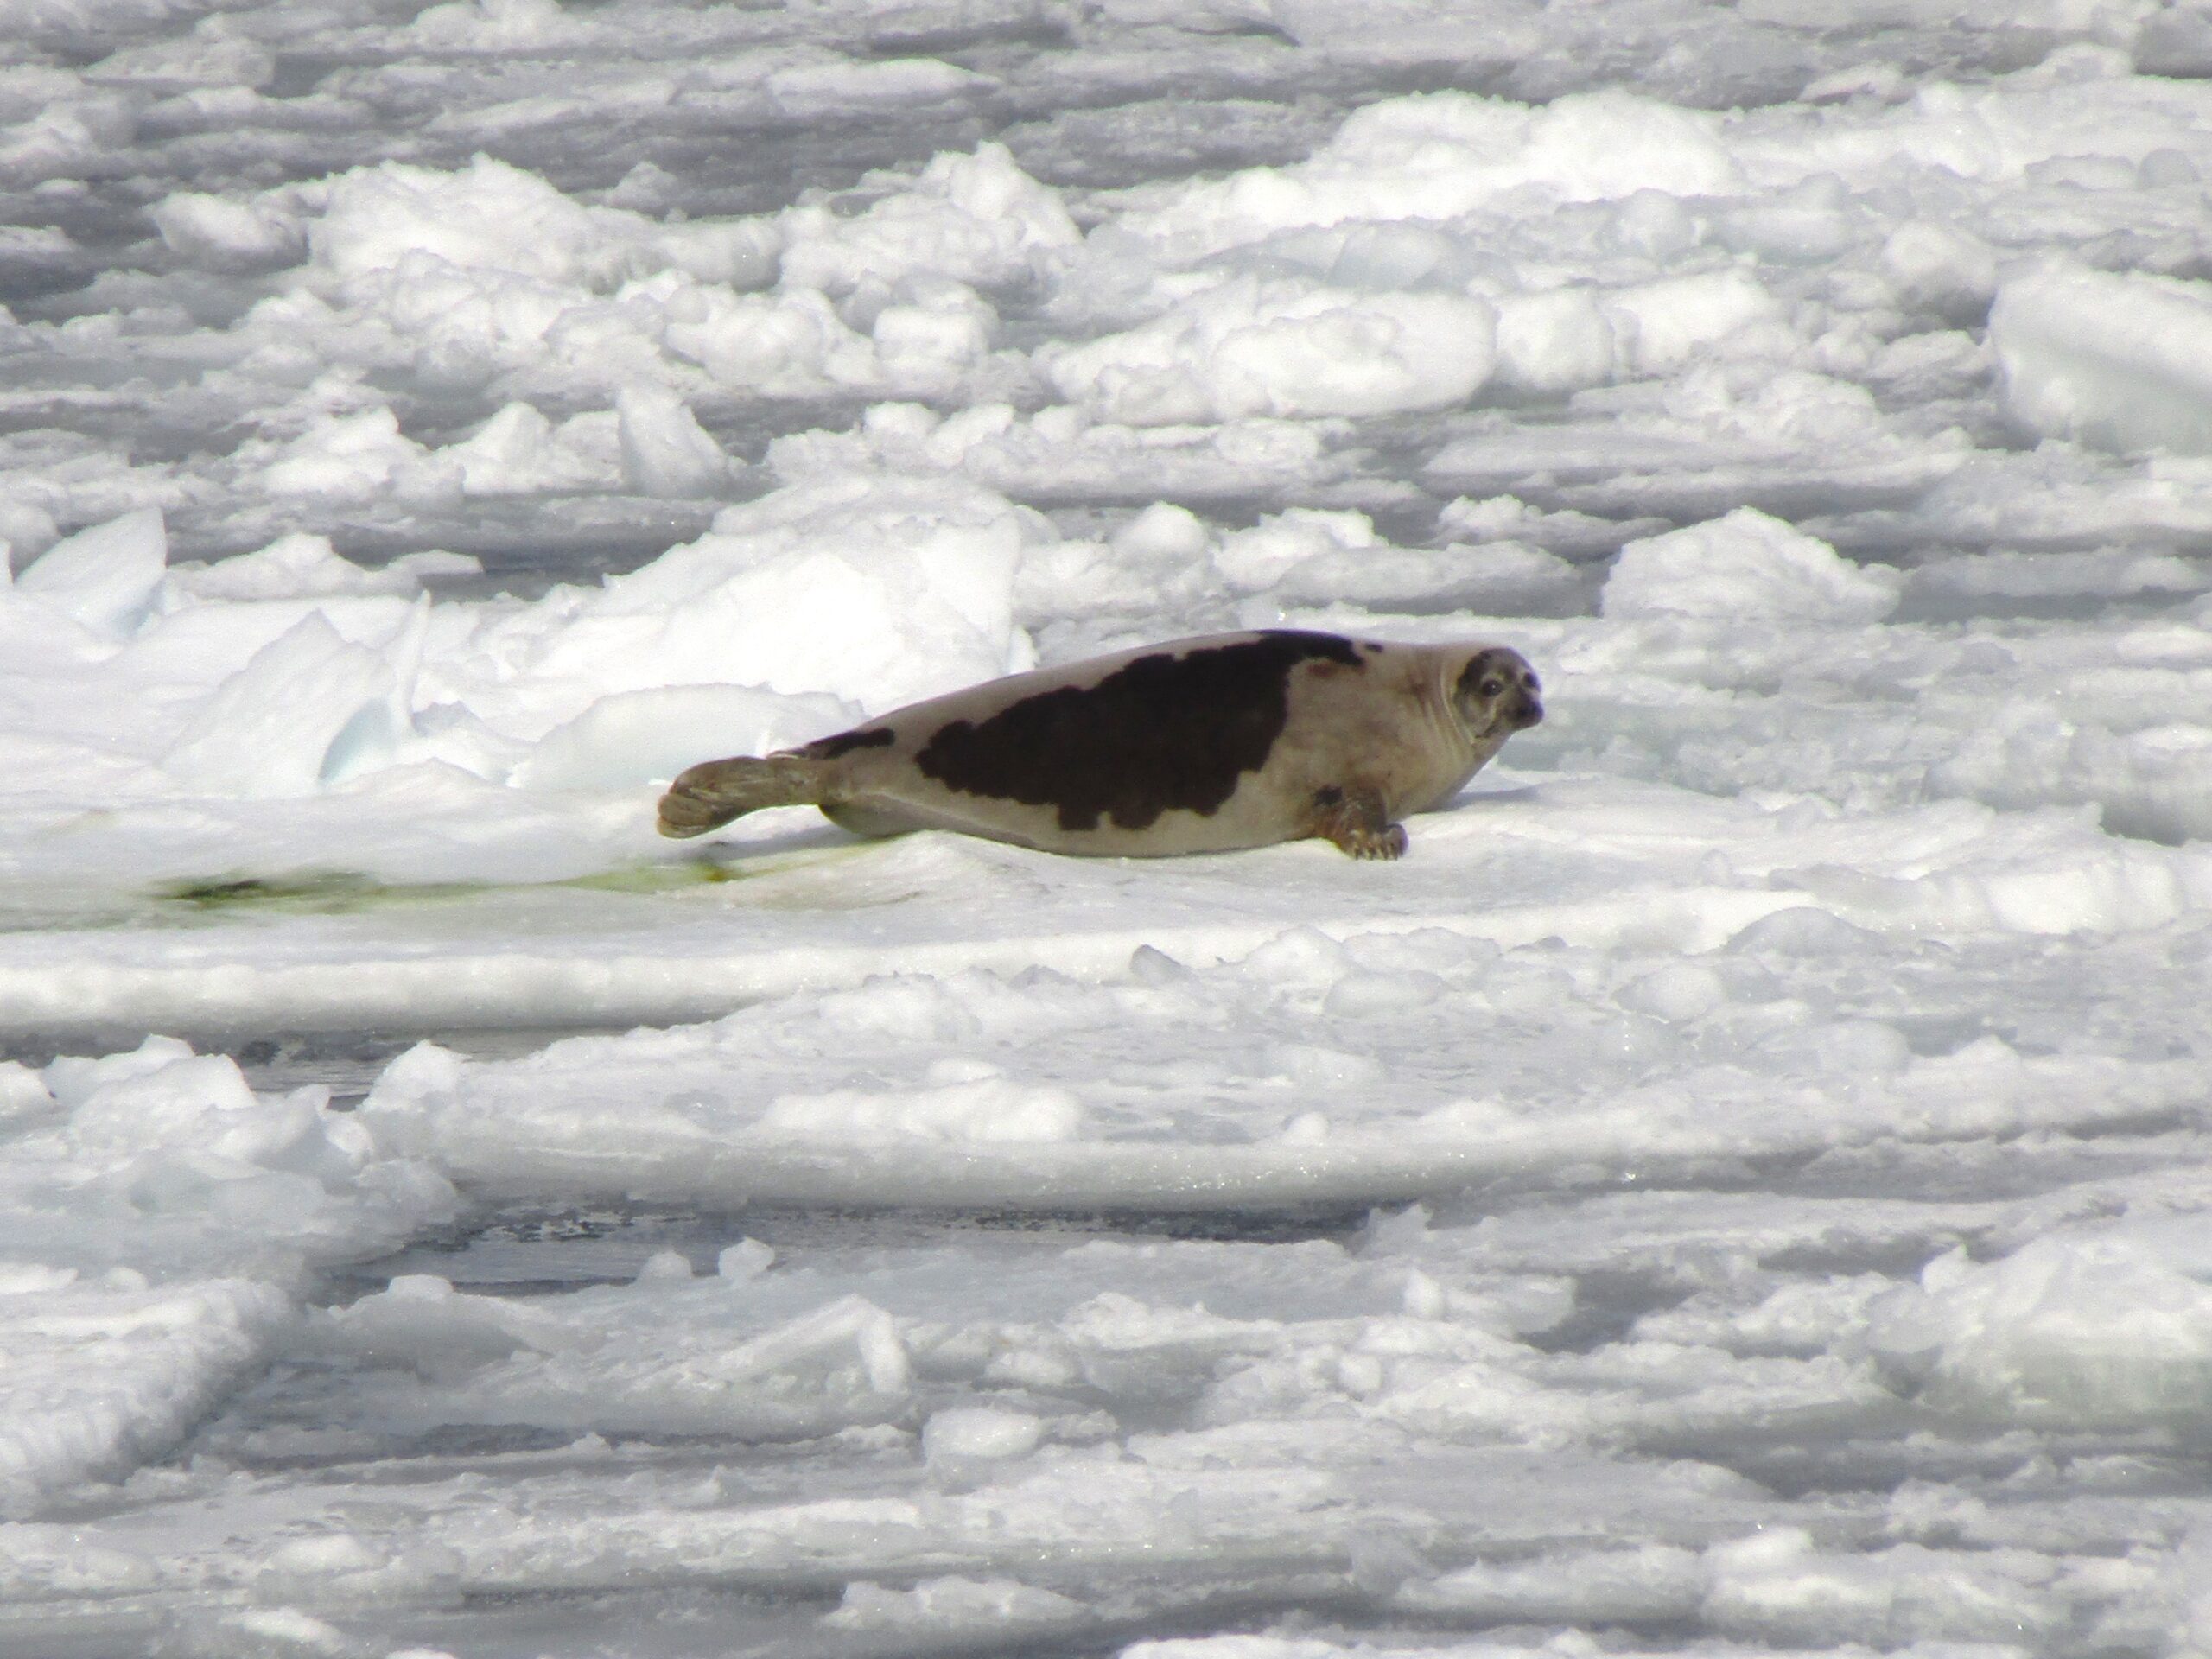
(1497, 693)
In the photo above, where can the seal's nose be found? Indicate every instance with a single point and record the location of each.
(1527, 711)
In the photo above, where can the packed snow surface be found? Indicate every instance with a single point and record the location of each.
(1741, 1186)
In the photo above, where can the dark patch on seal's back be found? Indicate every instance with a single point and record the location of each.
(1160, 732)
(829, 748)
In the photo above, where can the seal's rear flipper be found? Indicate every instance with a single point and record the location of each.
(708, 796)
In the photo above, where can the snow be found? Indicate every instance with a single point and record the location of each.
(1246, 349)
(2105, 359)
(102, 578)
(1440, 156)
(1745, 566)
(1738, 1186)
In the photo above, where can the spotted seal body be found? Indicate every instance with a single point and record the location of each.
(1196, 745)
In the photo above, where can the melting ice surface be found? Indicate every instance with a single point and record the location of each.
(1739, 1187)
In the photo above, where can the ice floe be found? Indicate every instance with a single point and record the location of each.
(1736, 1184)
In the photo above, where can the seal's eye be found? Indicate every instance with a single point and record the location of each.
(1530, 681)
(1491, 687)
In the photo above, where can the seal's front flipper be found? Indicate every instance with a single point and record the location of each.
(708, 796)
(1358, 821)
